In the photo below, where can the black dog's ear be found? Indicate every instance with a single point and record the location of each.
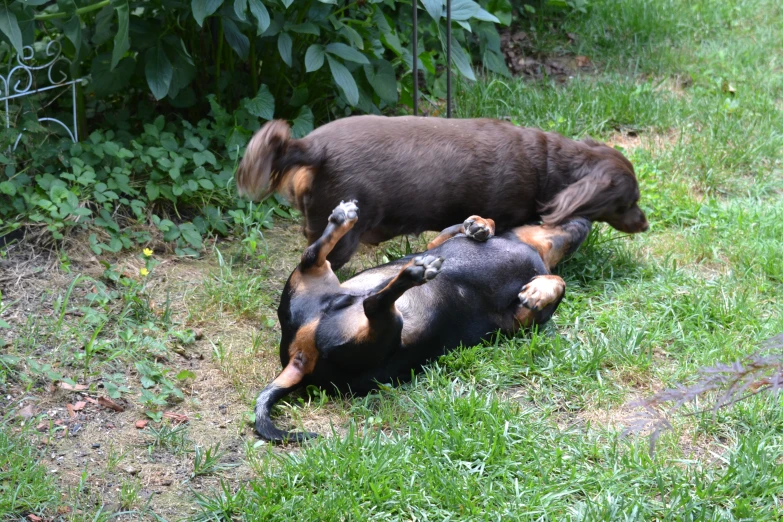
(583, 198)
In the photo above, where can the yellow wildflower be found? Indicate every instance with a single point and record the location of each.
(148, 252)
(144, 272)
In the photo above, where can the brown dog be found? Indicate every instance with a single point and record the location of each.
(413, 174)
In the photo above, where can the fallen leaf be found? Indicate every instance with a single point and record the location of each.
(79, 406)
(108, 403)
(71, 413)
(176, 417)
(198, 334)
(78, 387)
(91, 400)
(63, 510)
(42, 426)
(141, 424)
(26, 412)
(34, 518)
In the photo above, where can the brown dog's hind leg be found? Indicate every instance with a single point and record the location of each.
(341, 221)
(420, 270)
(475, 227)
(539, 299)
(553, 243)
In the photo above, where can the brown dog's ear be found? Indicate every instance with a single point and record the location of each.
(582, 198)
(254, 175)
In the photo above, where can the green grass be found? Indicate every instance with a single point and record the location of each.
(522, 428)
(507, 430)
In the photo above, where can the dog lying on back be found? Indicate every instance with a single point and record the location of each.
(385, 322)
(413, 174)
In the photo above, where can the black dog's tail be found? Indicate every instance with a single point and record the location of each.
(288, 380)
(269, 156)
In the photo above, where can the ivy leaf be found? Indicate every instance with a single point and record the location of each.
(384, 82)
(121, 41)
(303, 123)
(159, 72)
(238, 41)
(434, 8)
(203, 8)
(347, 52)
(285, 45)
(262, 15)
(314, 58)
(10, 27)
(263, 105)
(343, 78)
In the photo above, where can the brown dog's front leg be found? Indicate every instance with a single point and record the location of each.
(475, 227)
(341, 221)
(420, 270)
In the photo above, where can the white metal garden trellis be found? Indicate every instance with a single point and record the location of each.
(24, 85)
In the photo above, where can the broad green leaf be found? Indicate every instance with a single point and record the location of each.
(159, 72)
(392, 41)
(461, 59)
(303, 123)
(485, 16)
(346, 53)
(305, 28)
(501, 9)
(285, 45)
(8, 188)
(153, 191)
(353, 36)
(262, 15)
(343, 78)
(190, 234)
(238, 41)
(495, 63)
(314, 58)
(73, 31)
(287, 3)
(104, 81)
(240, 8)
(121, 41)
(381, 76)
(10, 27)
(463, 9)
(203, 8)
(434, 8)
(262, 105)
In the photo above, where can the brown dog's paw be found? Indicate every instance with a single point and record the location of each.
(424, 268)
(345, 212)
(478, 228)
(541, 292)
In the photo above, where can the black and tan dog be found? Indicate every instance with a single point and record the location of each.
(415, 174)
(385, 322)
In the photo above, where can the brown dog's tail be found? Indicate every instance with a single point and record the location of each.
(288, 380)
(270, 154)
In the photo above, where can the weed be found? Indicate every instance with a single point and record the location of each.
(167, 437)
(207, 461)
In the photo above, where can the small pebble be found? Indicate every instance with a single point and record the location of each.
(96, 446)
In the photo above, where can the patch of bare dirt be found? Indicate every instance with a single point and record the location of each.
(522, 58)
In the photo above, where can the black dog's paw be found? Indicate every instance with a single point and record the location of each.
(541, 292)
(478, 228)
(424, 268)
(345, 213)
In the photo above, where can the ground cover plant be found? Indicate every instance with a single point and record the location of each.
(523, 428)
